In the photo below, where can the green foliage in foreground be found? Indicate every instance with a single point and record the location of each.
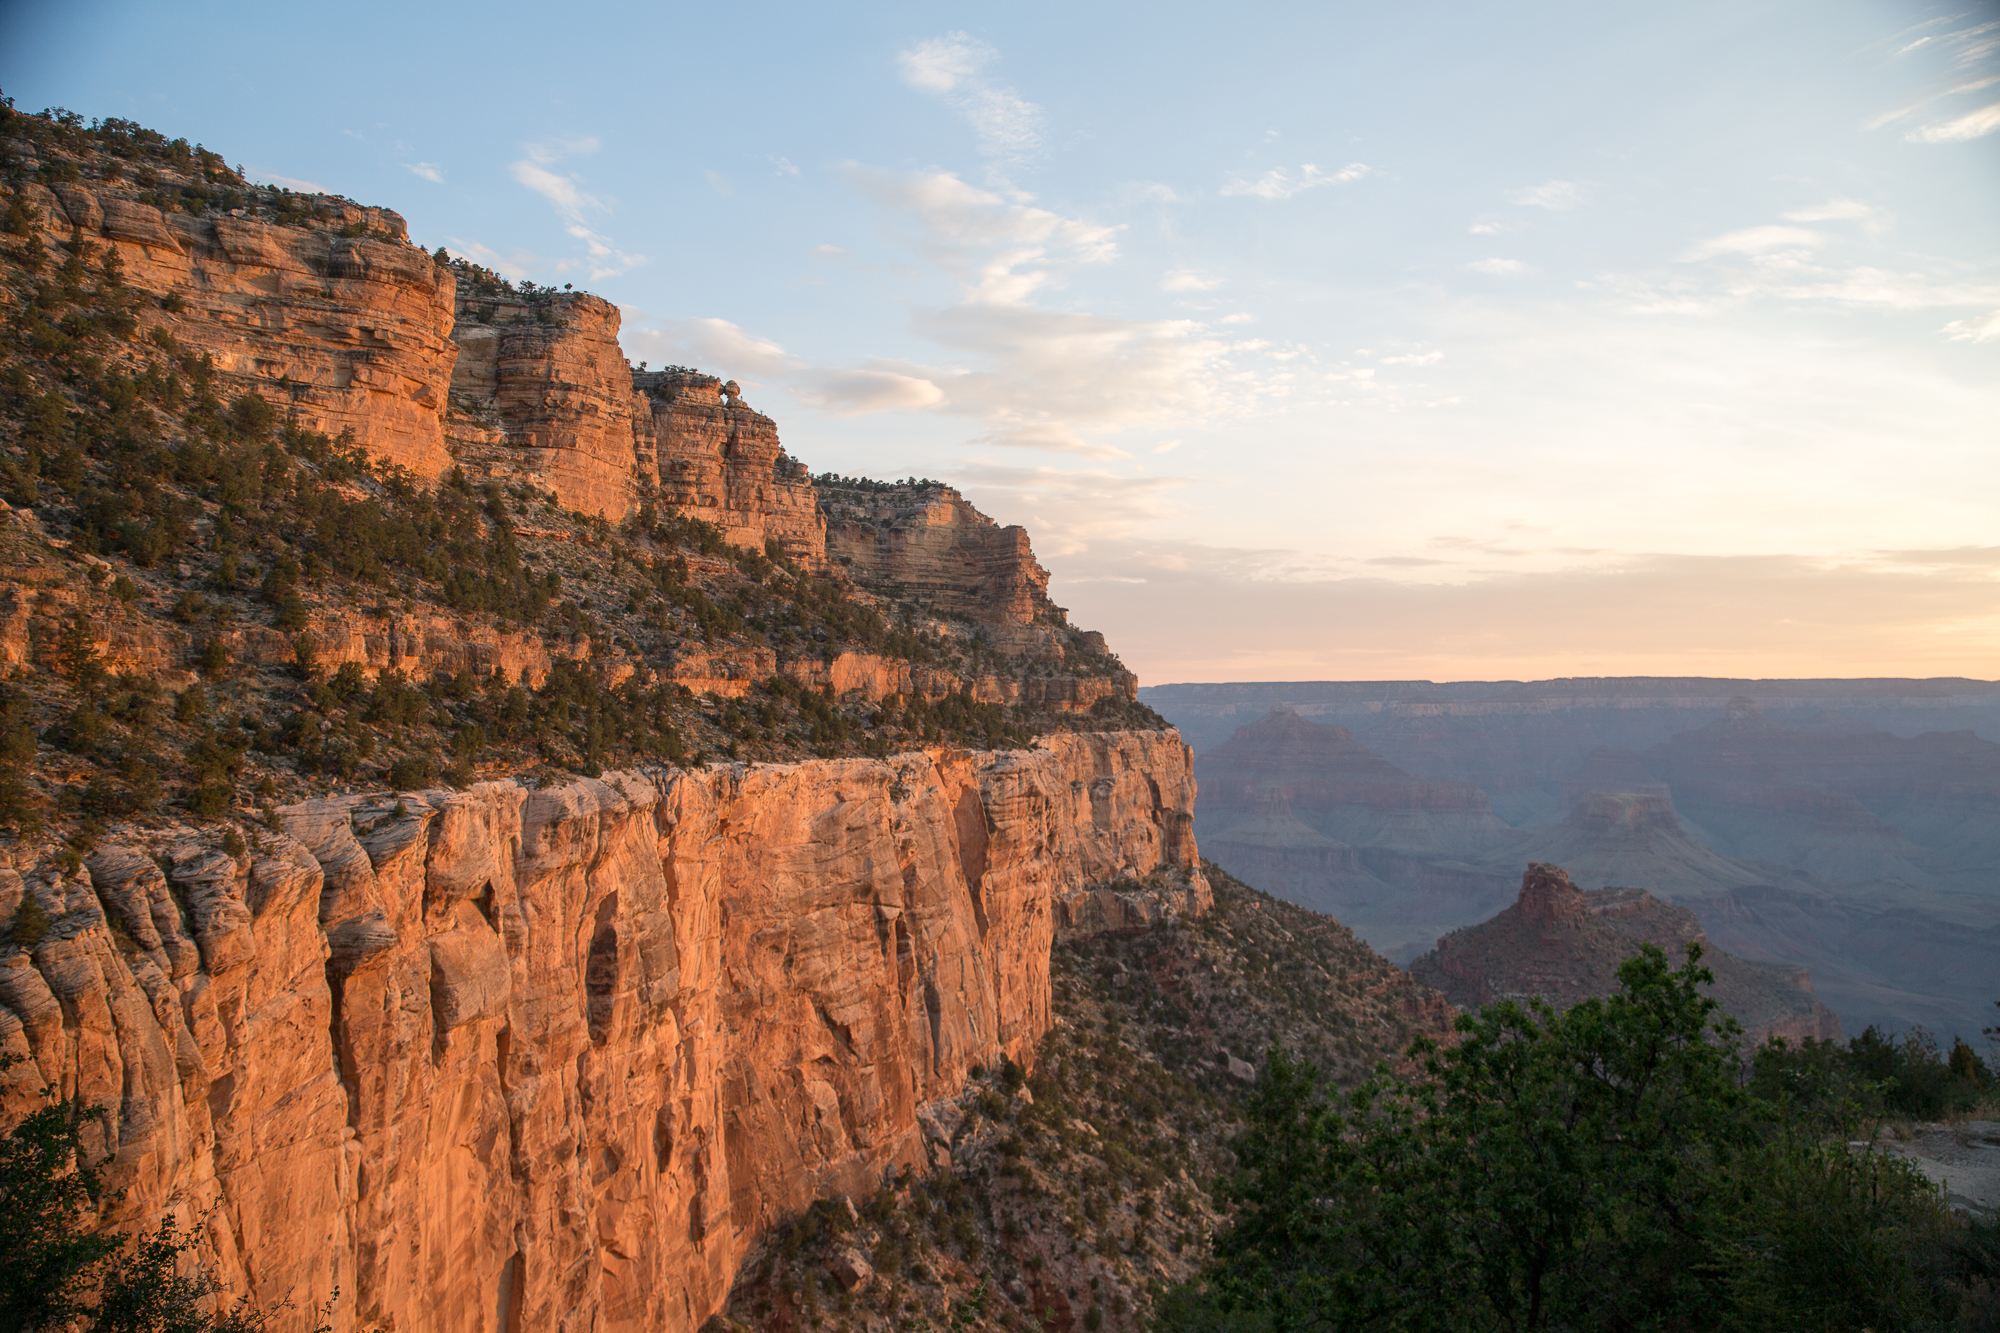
(1599, 1168)
(58, 1273)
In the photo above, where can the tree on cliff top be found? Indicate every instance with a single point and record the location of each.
(1601, 1167)
(58, 1273)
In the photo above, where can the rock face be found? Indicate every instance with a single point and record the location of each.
(1564, 944)
(1629, 838)
(513, 1058)
(721, 462)
(1842, 800)
(923, 541)
(542, 391)
(346, 324)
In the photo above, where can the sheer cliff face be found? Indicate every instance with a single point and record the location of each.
(543, 392)
(551, 1059)
(721, 462)
(924, 542)
(349, 332)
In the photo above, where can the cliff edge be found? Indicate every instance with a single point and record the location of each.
(553, 1058)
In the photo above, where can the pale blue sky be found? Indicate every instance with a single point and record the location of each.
(1336, 340)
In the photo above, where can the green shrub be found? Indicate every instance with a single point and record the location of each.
(213, 660)
(1598, 1168)
(412, 772)
(211, 799)
(30, 924)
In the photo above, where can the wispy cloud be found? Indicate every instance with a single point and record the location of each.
(1279, 183)
(1793, 263)
(862, 392)
(1036, 378)
(537, 171)
(1145, 192)
(1979, 329)
(1050, 437)
(1188, 280)
(1557, 196)
(1758, 241)
(1069, 510)
(430, 171)
(1873, 220)
(1429, 358)
(1004, 249)
(951, 67)
(289, 182)
(1972, 125)
(1951, 55)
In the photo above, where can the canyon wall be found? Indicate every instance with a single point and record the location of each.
(346, 325)
(921, 541)
(721, 462)
(513, 1058)
(541, 391)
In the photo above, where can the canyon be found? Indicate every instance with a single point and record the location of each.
(510, 846)
(1798, 827)
(718, 913)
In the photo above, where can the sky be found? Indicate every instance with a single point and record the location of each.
(1309, 341)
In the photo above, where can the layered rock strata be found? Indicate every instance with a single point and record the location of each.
(542, 390)
(922, 542)
(721, 462)
(514, 1058)
(345, 324)
(1308, 812)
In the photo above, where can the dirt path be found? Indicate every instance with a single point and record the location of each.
(1963, 1158)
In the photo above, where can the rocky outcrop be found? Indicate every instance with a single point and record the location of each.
(922, 542)
(1628, 838)
(542, 392)
(1564, 944)
(514, 1058)
(343, 322)
(721, 462)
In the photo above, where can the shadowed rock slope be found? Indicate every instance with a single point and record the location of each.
(1306, 811)
(1564, 944)
(1059, 1199)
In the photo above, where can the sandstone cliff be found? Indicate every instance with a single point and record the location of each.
(321, 304)
(516, 1058)
(921, 540)
(540, 390)
(1564, 944)
(721, 461)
